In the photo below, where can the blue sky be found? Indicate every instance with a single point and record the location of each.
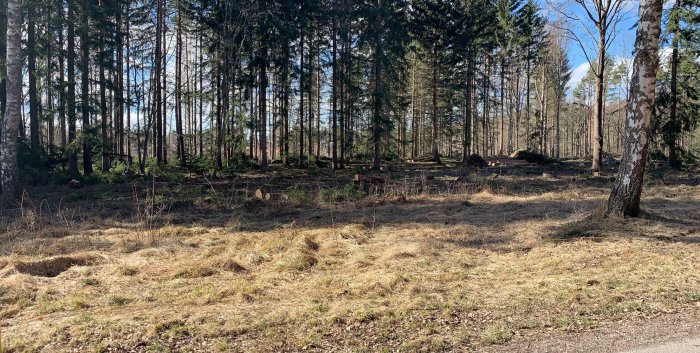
(620, 48)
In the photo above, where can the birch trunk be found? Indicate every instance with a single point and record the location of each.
(9, 174)
(626, 192)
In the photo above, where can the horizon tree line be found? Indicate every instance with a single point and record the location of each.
(215, 85)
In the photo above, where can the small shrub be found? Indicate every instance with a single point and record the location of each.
(128, 270)
(89, 281)
(299, 260)
(347, 193)
(155, 347)
(297, 197)
(391, 156)
(91, 179)
(177, 330)
(119, 168)
(60, 177)
(172, 173)
(693, 296)
(200, 165)
(196, 271)
(113, 178)
(495, 334)
(119, 300)
(172, 329)
(321, 162)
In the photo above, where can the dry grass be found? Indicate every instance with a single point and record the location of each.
(433, 272)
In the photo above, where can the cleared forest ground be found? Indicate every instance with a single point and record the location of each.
(431, 259)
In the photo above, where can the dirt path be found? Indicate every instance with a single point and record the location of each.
(677, 333)
(691, 345)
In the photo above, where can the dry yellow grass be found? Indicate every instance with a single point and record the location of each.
(428, 274)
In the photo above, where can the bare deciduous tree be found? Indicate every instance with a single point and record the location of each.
(605, 15)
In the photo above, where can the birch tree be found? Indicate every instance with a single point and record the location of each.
(626, 191)
(9, 174)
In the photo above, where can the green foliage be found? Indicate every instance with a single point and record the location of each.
(172, 173)
(240, 162)
(347, 193)
(390, 156)
(297, 197)
(321, 162)
(112, 178)
(677, 109)
(199, 165)
(91, 179)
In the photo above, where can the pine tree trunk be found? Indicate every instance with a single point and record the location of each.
(85, 89)
(312, 72)
(518, 106)
(599, 105)
(558, 142)
(70, 90)
(334, 108)
(63, 127)
(673, 111)
(164, 85)
(626, 191)
(377, 97)
(219, 118)
(318, 101)
(128, 103)
(49, 96)
(178, 90)
(103, 100)
(263, 106)
(201, 96)
(103, 106)
(543, 100)
(285, 103)
(485, 94)
(301, 91)
(467, 115)
(414, 117)
(436, 152)
(9, 173)
(35, 138)
(502, 136)
(119, 87)
(528, 75)
(3, 57)
(157, 62)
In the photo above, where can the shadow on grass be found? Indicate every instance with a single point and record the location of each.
(649, 226)
(230, 204)
(492, 216)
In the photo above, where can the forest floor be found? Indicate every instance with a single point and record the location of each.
(431, 259)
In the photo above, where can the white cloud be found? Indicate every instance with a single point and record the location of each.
(630, 6)
(577, 74)
(665, 54)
